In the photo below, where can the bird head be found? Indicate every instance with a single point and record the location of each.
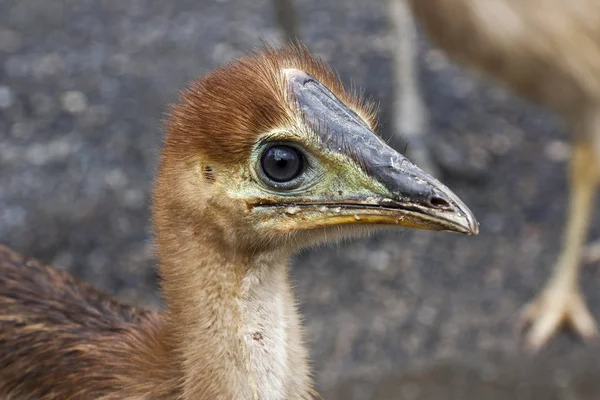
(272, 152)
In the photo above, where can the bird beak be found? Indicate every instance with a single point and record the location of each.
(417, 200)
(399, 192)
(414, 200)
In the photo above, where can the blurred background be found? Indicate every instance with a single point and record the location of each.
(84, 85)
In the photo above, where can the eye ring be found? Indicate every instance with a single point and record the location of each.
(282, 164)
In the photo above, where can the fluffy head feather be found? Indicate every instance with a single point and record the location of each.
(222, 113)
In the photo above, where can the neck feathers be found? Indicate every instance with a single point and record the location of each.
(234, 324)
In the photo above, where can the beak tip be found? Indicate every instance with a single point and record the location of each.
(474, 229)
(463, 219)
(471, 224)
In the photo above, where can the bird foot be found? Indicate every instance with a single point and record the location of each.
(555, 306)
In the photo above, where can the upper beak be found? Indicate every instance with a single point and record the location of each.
(408, 196)
(423, 200)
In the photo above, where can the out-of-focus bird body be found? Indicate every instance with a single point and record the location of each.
(549, 52)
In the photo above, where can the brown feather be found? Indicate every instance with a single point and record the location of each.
(63, 339)
(223, 113)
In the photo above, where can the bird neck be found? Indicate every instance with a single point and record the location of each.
(233, 322)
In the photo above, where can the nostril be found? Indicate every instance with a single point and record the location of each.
(439, 202)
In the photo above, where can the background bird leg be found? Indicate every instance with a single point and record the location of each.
(409, 112)
(561, 300)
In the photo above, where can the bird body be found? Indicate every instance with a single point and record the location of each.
(63, 339)
(262, 157)
(548, 51)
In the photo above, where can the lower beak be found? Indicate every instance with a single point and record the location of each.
(452, 218)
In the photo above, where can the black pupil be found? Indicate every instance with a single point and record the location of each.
(281, 163)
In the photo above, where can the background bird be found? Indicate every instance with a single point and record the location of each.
(548, 52)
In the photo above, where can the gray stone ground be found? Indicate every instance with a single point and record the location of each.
(83, 87)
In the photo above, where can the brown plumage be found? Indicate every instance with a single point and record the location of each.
(206, 120)
(224, 232)
(63, 339)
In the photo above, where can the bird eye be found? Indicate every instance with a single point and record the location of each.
(282, 163)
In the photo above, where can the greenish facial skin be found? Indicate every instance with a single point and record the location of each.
(335, 190)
